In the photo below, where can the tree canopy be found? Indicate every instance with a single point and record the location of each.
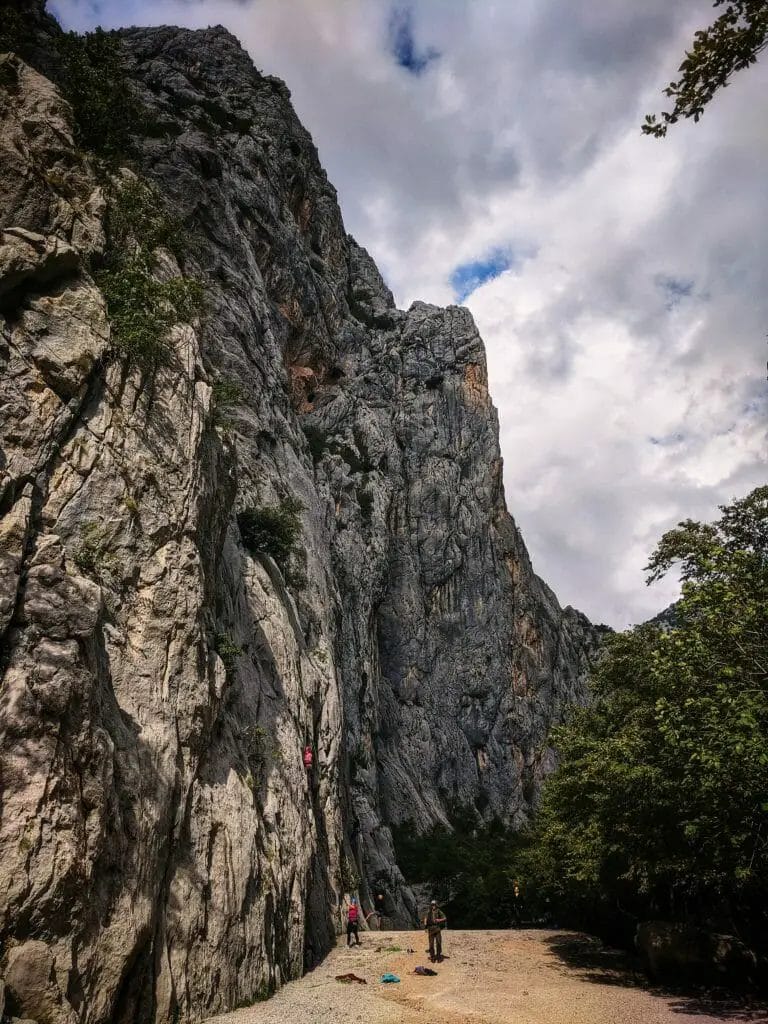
(660, 802)
(732, 42)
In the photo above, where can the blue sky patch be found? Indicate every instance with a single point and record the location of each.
(402, 43)
(469, 276)
(675, 289)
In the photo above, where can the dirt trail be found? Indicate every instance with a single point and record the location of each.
(488, 977)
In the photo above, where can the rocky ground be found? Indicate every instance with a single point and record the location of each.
(488, 977)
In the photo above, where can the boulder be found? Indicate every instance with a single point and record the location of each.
(30, 978)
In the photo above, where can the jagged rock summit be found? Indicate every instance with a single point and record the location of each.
(282, 523)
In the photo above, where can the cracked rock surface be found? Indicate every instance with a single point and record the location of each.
(164, 855)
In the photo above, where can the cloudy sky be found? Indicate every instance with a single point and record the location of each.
(489, 153)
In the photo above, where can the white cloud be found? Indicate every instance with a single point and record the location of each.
(626, 350)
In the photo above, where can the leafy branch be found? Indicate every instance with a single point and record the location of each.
(731, 43)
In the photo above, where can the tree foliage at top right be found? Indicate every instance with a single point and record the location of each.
(731, 43)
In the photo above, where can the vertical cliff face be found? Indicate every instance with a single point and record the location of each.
(163, 852)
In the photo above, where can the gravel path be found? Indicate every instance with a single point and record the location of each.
(488, 977)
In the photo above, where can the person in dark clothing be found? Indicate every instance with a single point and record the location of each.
(379, 907)
(517, 904)
(434, 922)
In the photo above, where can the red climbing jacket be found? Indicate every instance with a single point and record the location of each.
(307, 757)
(352, 914)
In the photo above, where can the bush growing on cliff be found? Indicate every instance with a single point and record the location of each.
(226, 393)
(228, 651)
(14, 31)
(106, 107)
(138, 214)
(90, 71)
(271, 529)
(263, 751)
(91, 556)
(660, 803)
(142, 309)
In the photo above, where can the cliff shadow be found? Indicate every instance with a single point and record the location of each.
(604, 965)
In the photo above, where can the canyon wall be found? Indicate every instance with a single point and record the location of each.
(164, 854)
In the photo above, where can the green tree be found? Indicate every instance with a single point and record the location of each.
(732, 42)
(471, 868)
(90, 70)
(105, 104)
(660, 802)
(272, 529)
(142, 308)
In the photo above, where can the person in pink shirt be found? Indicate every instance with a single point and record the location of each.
(353, 922)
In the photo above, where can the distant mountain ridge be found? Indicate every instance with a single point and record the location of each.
(668, 618)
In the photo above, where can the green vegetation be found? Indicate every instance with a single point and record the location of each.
(14, 31)
(106, 107)
(271, 530)
(350, 879)
(90, 71)
(731, 43)
(142, 309)
(138, 213)
(471, 867)
(92, 553)
(659, 807)
(660, 803)
(226, 393)
(263, 751)
(228, 651)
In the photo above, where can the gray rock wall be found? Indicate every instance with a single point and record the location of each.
(163, 853)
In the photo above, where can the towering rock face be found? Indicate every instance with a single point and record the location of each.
(163, 852)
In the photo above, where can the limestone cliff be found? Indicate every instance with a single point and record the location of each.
(163, 853)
